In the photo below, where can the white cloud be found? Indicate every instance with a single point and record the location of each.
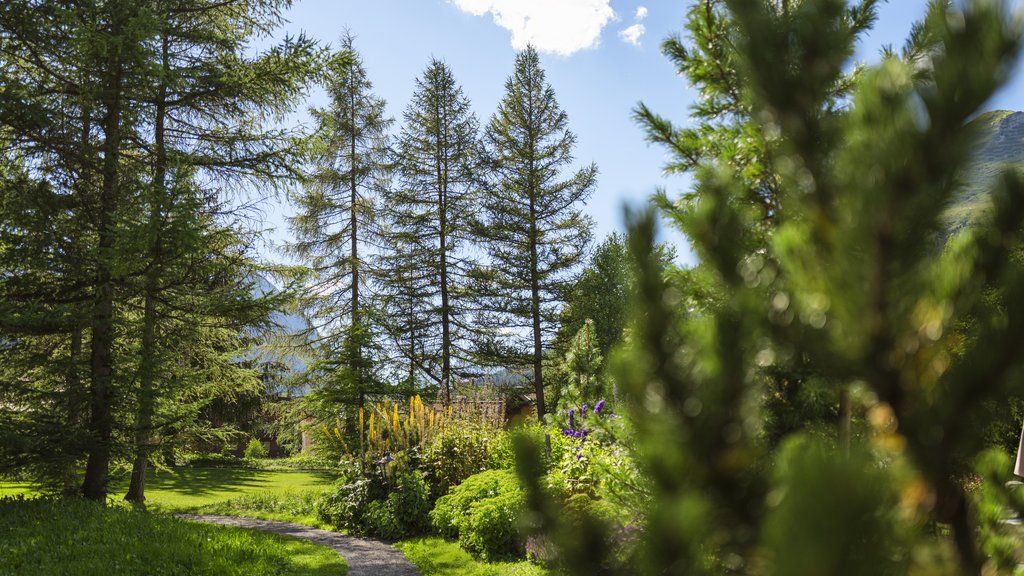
(557, 26)
(641, 13)
(633, 34)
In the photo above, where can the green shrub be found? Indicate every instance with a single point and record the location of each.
(367, 506)
(346, 505)
(457, 453)
(483, 513)
(489, 529)
(405, 511)
(256, 449)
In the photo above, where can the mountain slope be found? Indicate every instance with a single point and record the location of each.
(1000, 146)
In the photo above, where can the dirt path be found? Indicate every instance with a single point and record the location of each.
(365, 557)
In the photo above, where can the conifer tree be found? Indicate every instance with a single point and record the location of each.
(429, 213)
(532, 226)
(103, 124)
(723, 125)
(207, 108)
(73, 71)
(336, 221)
(858, 282)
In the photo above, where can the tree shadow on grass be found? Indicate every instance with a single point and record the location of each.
(201, 483)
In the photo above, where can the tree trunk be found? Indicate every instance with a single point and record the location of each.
(538, 374)
(356, 332)
(74, 383)
(147, 353)
(101, 417)
(446, 337)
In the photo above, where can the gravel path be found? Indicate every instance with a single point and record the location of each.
(365, 557)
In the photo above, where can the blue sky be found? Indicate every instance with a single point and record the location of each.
(601, 57)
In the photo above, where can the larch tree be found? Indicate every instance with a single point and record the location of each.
(429, 213)
(532, 227)
(112, 112)
(336, 224)
(207, 111)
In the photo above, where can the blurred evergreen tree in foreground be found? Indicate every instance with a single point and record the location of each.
(853, 278)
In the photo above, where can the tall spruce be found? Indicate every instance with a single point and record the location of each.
(337, 222)
(429, 214)
(72, 72)
(532, 226)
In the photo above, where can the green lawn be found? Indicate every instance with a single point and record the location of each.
(191, 488)
(16, 489)
(285, 495)
(438, 557)
(79, 538)
(182, 489)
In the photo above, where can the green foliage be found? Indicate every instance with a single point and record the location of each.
(814, 489)
(836, 265)
(530, 224)
(144, 302)
(347, 505)
(457, 453)
(428, 213)
(405, 512)
(483, 513)
(288, 506)
(577, 473)
(256, 449)
(82, 538)
(581, 368)
(369, 505)
(336, 219)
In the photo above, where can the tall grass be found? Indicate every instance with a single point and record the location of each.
(79, 538)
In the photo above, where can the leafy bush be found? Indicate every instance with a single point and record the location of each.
(404, 512)
(577, 473)
(346, 506)
(256, 449)
(367, 506)
(483, 513)
(456, 453)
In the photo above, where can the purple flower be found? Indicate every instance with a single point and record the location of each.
(599, 407)
(583, 412)
(572, 417)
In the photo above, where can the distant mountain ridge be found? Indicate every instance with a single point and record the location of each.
(1000, 146)
(285, 329)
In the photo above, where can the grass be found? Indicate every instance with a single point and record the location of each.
(8, 489)
(79, 538)
(284, 506)
(286, 495)
(435, 556)
(188, 489)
